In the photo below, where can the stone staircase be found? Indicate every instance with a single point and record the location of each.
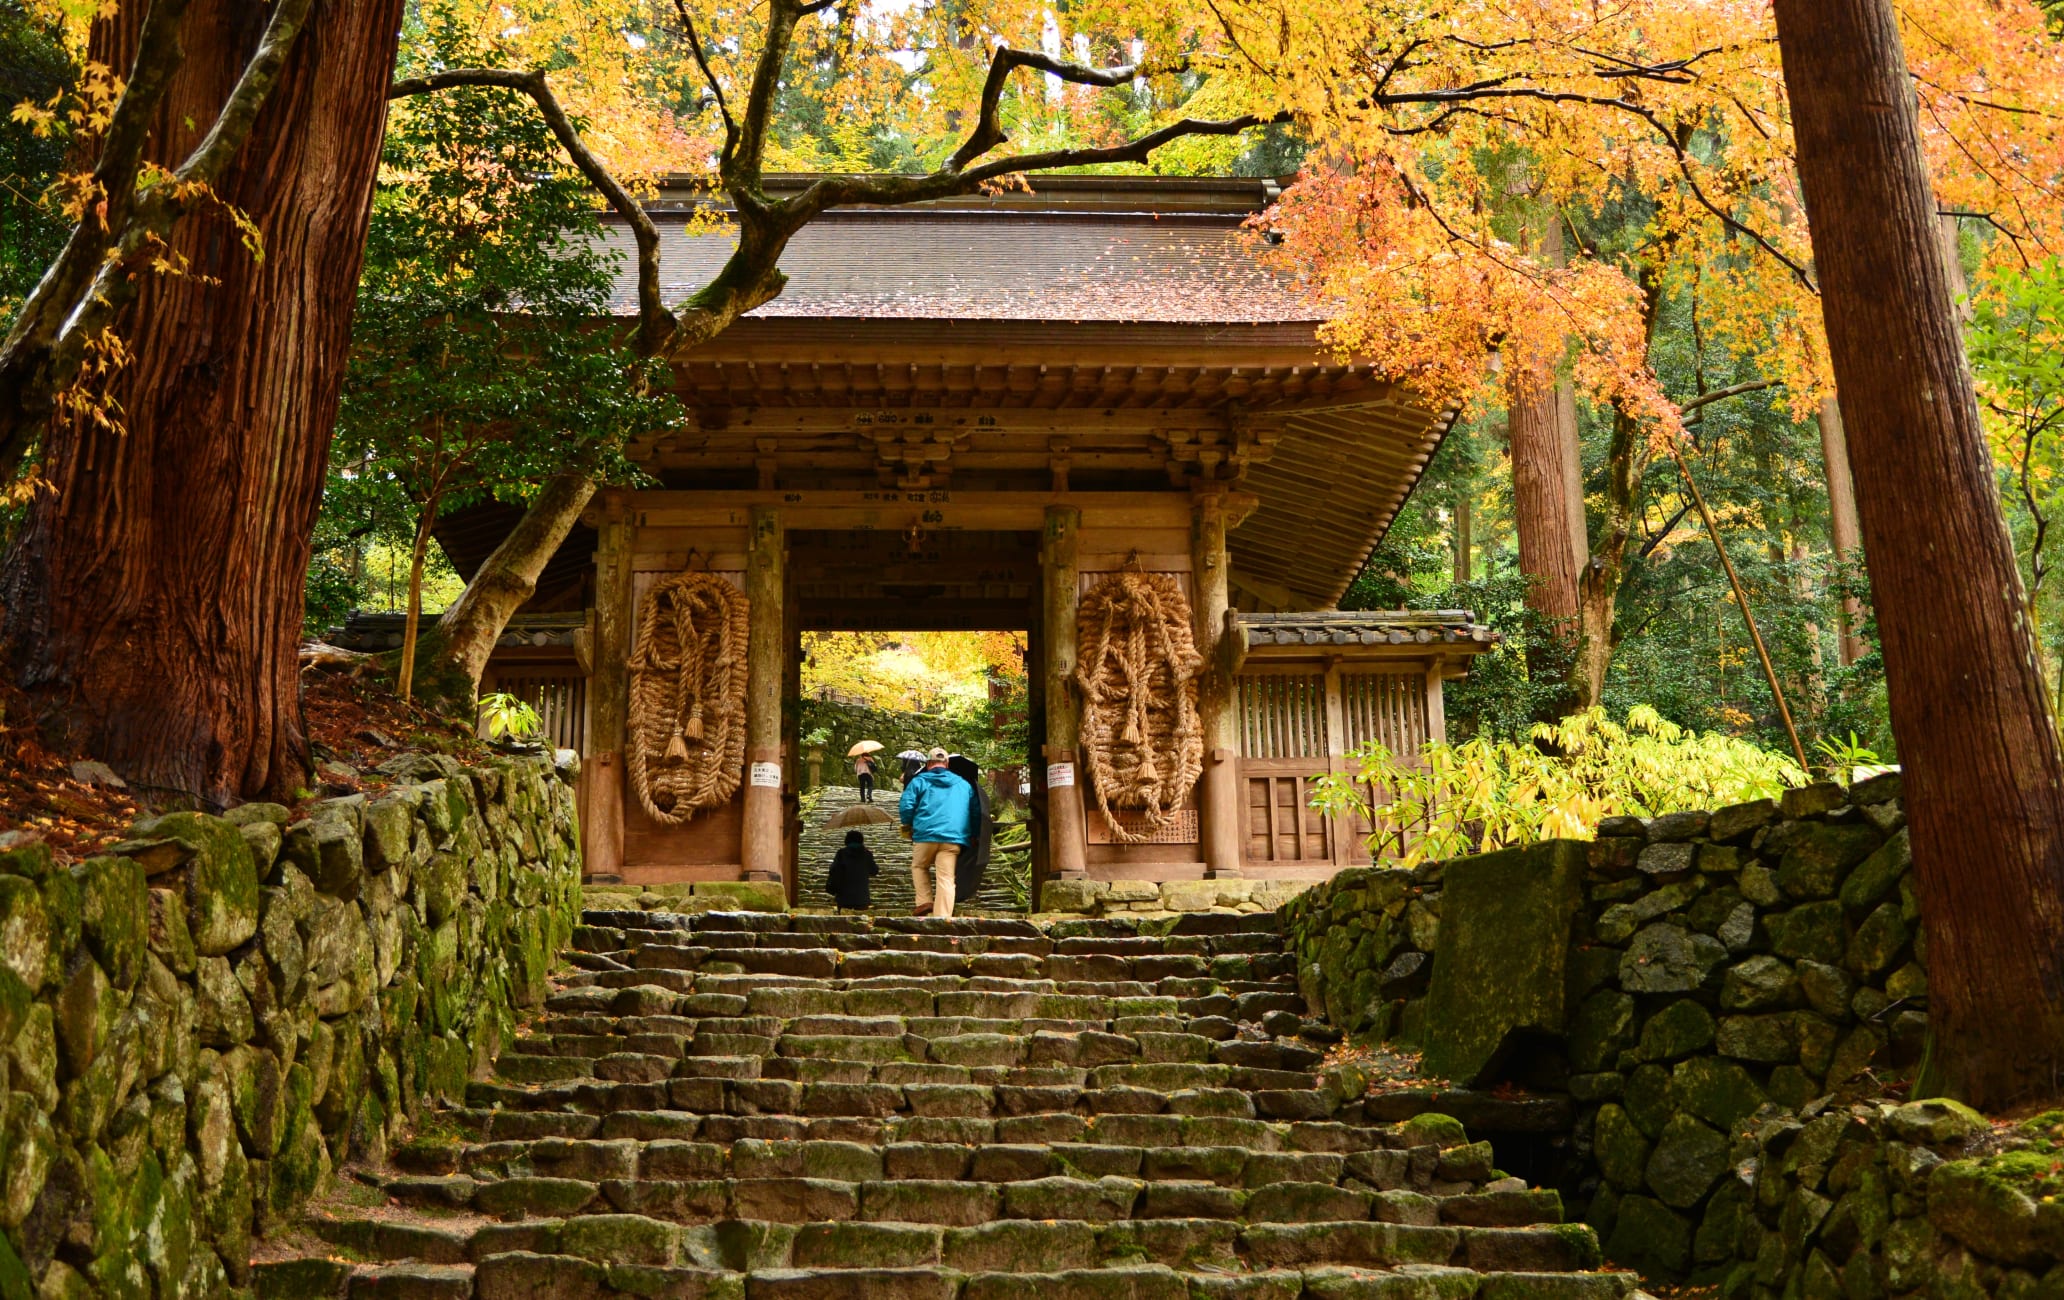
(761, 1106)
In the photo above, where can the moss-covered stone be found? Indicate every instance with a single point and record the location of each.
(1759, 983)
(1499, 960)
(1814, 932)
(1651, 1237)
(1678, 1030)
(1718, 1091)
(1668, 958)
(1620, 1148)
(115, 916)
(1688, 1159)
(1974, 1203)
(221, 886)
(1818, 853)
(1647, 1098)
(1601, 1029)
(1433, 1128)
(25, 936)
(329, 849)
(1879, 942)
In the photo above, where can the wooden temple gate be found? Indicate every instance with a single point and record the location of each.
(1086, 414)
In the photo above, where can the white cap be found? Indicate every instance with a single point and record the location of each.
(938, 755)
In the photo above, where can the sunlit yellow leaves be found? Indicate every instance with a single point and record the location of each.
(925, 672)
(1480, 795)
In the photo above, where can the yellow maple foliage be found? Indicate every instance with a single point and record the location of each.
(1445, 127)
(922, 672)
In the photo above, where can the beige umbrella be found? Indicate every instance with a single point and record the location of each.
(860, 814)
(864, 747)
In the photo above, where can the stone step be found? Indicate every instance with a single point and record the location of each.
(1422, 1186)
(945, 1044)
(1189, 923)
(1140, 1129)
(520, 1275)
(983, 998)
(912, 1192)
(596, 940)
(1002, 1244)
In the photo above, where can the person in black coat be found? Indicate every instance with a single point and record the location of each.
(850, 869)
(974, 858)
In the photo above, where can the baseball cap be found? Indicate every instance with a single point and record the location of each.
(938, 755)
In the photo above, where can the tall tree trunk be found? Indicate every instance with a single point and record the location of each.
(1547, 498)
(1572, 446)
(413, 621)
(1626, 463)
(1464, 542)
(154, 599)
(1842, 526)
(1984, 778)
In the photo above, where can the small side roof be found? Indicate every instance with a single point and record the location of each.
(1447, 627)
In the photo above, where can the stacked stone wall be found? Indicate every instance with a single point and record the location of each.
(1765, 955)
(199, 1027)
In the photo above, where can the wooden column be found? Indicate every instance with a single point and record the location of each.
(1218, 792)
(1066, 832)
(762, 849)
(1436, 705)
(609, 694)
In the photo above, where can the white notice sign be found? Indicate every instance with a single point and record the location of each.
(767, 774)
(1059, 774)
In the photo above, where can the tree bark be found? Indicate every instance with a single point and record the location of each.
(412, 623)
(1984, 778)
(1464, 543)
(154, 599)
(467, 632)
(1842, 527)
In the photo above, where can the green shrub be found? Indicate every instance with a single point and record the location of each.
(1484, 794)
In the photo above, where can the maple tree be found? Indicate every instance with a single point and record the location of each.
(1446, 132)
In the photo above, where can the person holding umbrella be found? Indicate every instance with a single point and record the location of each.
(862, 755)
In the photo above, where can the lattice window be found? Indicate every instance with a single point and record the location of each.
(561, 699)
(1282, 826)
(1283, 715)
(1385, 707)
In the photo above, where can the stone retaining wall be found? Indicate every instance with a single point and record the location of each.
(1672, 978)
(199, 1027)
(1924, 1199)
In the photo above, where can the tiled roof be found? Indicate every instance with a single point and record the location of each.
(1369, 627)
(374, 631)
(1146, 251)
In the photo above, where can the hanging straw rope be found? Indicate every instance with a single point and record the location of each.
(1138, 670)
(688, 697)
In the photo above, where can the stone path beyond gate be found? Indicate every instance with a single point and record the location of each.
(773, 1107)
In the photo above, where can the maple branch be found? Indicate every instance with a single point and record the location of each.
(695, 47)
(1464, 97)
(655, 323)
(1733, 390)
(988, 130)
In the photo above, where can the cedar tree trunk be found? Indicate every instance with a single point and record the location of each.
(1984, 778)
(153, 602)
(1541, 517)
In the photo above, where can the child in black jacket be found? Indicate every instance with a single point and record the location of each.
(850, 868)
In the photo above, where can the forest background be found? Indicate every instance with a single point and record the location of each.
(478, 207)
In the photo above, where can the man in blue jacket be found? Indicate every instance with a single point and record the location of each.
(938, 814)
